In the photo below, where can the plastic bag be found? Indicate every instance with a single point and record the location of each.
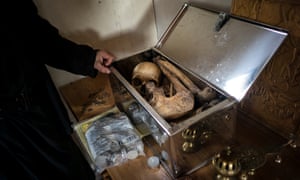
(112, 140)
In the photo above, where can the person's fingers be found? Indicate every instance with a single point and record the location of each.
(108, 61)
(106, 57)
(103, 60)
(102, 68)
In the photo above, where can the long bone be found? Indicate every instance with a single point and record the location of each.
(206, 94)
(174, 106)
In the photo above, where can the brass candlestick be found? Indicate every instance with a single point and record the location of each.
(227, 164)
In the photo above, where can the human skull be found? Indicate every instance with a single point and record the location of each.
(143, 73)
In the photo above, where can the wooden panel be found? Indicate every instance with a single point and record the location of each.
(274, 99)
(88, 97)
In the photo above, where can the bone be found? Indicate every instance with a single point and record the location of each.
(174, 80)
(206, 94)
(207, 105)
(171, 89)
(174, 106)
(178, 73)
(170, 107)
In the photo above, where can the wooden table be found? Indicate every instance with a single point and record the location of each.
(249, 133)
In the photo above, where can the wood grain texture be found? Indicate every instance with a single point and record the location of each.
(88, 97)
(274, 99)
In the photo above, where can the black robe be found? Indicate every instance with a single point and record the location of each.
(35, 130)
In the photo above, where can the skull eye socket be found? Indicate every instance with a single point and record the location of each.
(136, 82)
(139, 82)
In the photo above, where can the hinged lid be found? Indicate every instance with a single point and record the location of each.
(227, 52)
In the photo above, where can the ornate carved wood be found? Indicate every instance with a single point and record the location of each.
(274, 99)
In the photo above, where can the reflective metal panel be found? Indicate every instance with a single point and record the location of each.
(230, 58)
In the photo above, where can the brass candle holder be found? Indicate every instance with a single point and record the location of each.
(227, 164)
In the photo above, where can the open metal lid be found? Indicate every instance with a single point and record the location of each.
(227, 52)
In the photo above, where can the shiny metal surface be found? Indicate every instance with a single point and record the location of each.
(215, 121)
(166, 10)
(215, 5)
(166, 126)
(230, 59)
(144, 103)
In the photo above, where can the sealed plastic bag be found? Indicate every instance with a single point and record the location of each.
(112, 140)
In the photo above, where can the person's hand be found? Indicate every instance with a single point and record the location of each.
(103, 60)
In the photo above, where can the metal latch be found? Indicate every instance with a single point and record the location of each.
(222, 19)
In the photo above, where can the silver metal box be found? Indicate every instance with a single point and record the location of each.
(214, 50)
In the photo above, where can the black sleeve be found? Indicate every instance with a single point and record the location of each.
(42, 41)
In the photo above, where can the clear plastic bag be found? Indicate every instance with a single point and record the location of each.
(113, 140)
(139, 115)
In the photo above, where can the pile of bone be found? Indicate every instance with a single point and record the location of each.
(179, 99)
